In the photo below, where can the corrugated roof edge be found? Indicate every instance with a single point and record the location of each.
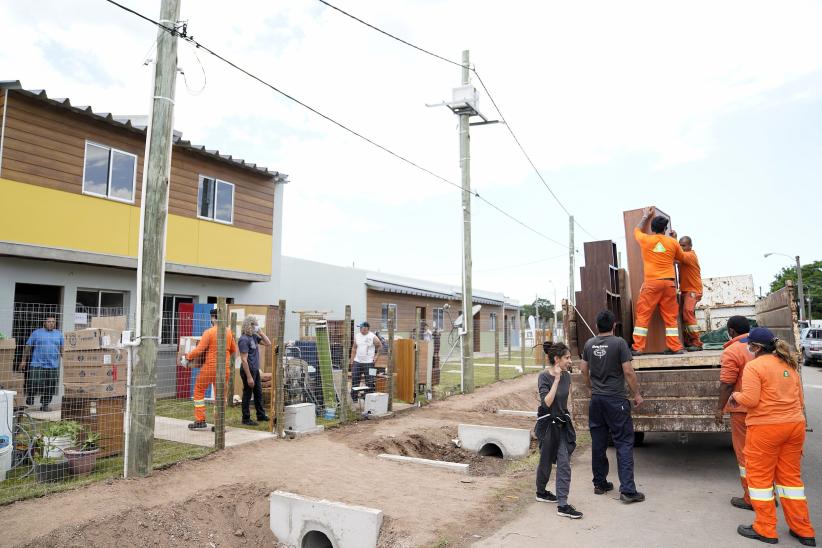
(111, 120)
(481, 296)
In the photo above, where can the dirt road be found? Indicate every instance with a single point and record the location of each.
(220, 500)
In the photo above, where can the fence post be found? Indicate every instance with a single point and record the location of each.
(496, 345)
(345, 364)
(522, 343)
(278, 371)
(508, 332)
(273, 395)
(392, 318)
(231, 365)
(219, 380)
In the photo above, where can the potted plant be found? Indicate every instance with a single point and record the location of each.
(83, 458)
(59, 436)
(48, 469)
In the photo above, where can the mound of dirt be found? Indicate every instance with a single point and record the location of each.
(233, 515)
(436, 444)
(523, 401)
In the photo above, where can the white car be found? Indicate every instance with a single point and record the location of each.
(811, 344)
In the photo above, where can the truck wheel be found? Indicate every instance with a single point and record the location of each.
(639, 439)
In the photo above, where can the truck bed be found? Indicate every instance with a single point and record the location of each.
(704, 358)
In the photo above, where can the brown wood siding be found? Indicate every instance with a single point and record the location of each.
(45, 146)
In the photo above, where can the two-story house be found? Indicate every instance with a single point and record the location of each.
(70, 192)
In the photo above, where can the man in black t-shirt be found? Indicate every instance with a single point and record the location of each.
(249, 345)
(606, 367)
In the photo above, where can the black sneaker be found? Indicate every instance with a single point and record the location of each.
(568, 511)
(249, 422)
(637, 352)
(628, 498)
(199, 425)
(747, 531)
(604, 488)
(264, 418)
(693, 348)
(739, 502)
(804, 541)
(672, 352)
(547, 496)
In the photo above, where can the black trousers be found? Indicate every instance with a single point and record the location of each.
(612, 415)
(358, 370)
(257, 391)
(43, 382)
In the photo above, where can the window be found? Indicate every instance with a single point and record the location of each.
(213, 300)
(172, 318)
(215, 200)
(439, 318)
(385, 308)
(109, 172)
(493, 321)
(99, 302)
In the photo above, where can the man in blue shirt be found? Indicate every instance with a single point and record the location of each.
(249, 345)
(45, 348)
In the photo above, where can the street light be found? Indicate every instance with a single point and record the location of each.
(799, 282)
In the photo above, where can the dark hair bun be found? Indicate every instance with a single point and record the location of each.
(546, 346)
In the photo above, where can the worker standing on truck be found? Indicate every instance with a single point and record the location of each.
(606, 367)
(772, 392)
(734, 358)
(659, 286)
(690, 287)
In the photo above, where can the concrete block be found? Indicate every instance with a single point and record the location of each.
(376, 403)
(300, 417)
(516, 413)
(297, 434)
(513, 443)
(457, 467)
(307, 522)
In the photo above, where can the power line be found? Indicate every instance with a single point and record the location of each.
(182, 34)
(484, 87)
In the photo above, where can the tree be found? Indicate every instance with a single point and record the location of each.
(546, 309)
(811, 279)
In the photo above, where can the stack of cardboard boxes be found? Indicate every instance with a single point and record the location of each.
(94, 381)
(9, 378)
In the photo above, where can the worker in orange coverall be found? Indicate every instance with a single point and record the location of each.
(208, 373)
(735, 356)
(659, 286)
(772, 392)
(690, 287)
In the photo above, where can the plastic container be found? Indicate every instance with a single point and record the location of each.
(330, 413)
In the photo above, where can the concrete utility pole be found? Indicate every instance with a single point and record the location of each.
(571, 294)
(467, 293)
(151, 258)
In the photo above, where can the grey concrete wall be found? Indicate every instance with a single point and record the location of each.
(309, 285)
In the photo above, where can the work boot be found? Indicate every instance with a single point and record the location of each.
(804, 541)
(747, 531)
(629, 498)
(604, 488)
(739, 502)
(568, 511)
(264, 418)
(672, 352)
(636, 352)
(547, 496)
(249, 422)
(197, 425)
(693, 348)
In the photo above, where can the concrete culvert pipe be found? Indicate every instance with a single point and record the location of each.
(490, 450)
(316, 539)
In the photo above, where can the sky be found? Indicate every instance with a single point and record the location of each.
(711, 111)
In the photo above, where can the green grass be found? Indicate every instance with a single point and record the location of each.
(166, 453)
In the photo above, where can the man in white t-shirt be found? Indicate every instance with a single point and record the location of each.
(365, 348)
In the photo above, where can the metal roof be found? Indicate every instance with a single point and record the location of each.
(406, 290)
(125, 122)
(422, 288)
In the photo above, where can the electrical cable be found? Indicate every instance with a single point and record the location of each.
(190, 39)
(487, 92)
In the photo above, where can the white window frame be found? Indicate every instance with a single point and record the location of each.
(439, 322)
(385, 313)
(110, 167)
(493, 317)
(233, 199)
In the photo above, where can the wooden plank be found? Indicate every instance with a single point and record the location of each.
(773, 301)
(403, 354)
(676, 423)
(653, 407)
(772, 319)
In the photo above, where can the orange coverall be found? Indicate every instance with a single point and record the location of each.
(658, 288)
(208, 373)
(690, 286)
(772, 392)
(733, 360)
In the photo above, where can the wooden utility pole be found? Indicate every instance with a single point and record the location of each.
(417, 320)
(467, 294)
(571, 293)
(219, 378)
(392, 320)
(151, 257)
(279, 371)
(346, 364)
(496, 343)
(522, 342)
(273, 394)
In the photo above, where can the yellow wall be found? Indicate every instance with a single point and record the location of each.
(35, 215)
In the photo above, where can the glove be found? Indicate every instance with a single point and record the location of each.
(184, 362)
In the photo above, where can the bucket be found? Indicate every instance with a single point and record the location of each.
(53, 447)
(330, 413)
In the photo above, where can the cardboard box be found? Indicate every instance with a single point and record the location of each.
(116, 323)
(6, 344)
(85, 358)
(93, 390)
(92, 339)
(7, 348)
(97, 374)
(13, 381)
(186, 345)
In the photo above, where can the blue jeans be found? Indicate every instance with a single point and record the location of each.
(608, 414)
